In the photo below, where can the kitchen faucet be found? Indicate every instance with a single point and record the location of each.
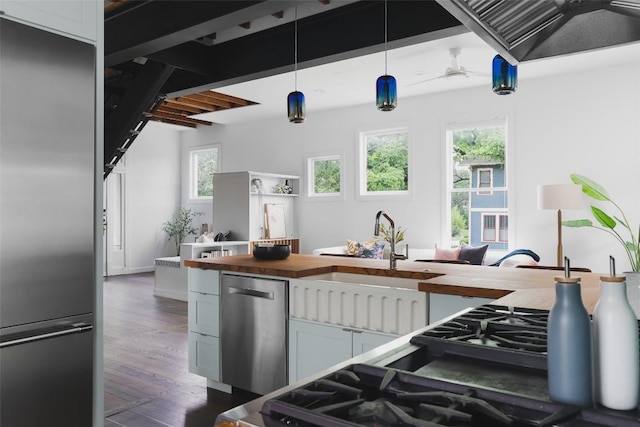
(392, 256)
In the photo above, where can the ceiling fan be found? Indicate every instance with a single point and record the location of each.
(454, 70)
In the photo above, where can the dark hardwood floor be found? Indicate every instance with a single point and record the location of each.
(147, 382)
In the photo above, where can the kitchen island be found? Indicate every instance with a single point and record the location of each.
(508, 286)
(471, 286)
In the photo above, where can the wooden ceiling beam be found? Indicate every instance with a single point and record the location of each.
(173, 122)
(201, 97)
(182, 106)
(182, 118)
(188, 101)
(228, 98)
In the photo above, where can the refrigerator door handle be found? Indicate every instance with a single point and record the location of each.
(73, 329)
(250, 292)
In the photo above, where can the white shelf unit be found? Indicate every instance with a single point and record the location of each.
(239, 200)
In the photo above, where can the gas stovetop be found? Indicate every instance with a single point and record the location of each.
(484, 367)
(366, 395)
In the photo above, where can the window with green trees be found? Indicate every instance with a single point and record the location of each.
(477, 182)
(384, 162)
(203, 164)
(324, 176)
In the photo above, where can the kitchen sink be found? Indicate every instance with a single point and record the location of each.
(367, 280)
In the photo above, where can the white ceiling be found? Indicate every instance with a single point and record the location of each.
(352, 81)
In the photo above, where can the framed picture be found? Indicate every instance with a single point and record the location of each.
(274, 220)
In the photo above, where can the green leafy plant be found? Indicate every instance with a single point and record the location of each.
(179, 227)
(608, 223)
(385, 233)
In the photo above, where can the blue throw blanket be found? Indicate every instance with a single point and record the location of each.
(517, 252)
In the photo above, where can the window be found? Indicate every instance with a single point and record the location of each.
(384, 162)
(477, 210)
(203, 163)
(494, 228)
(485, 180)
(324, 176)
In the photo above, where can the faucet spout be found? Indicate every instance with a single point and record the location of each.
(392, 256)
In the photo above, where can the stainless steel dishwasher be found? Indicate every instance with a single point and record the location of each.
(253, 321)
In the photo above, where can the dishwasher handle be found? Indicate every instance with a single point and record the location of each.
(250, 292)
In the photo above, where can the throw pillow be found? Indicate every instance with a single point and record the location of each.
(352, 245)
(447, 254)
(473, 254)
(518, 260)
(373, 252)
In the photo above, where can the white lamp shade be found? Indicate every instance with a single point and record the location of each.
(560, 196)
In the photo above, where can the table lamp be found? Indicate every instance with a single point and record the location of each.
(560, 196)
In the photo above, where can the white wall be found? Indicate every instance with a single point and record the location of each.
(152, 195)
(584, 123)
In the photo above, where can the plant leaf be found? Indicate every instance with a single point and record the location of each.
(578, 223)
(604, 219)
(590, 188)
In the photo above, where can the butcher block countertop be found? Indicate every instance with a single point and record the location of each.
(517, 287)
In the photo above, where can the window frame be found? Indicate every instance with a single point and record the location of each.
(192, 177)
(310, 160)
(452, 123)
(498, 216)
(484, 190)
(361, 176)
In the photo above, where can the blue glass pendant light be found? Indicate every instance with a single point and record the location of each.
(386, 87)
(295, 100)
(505, 76)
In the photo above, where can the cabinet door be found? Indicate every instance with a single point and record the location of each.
(204, 313)
(441, 305)
(204, 356)
(314, 347)
(364, 341)
(76, 18)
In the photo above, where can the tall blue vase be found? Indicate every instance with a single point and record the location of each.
(569, 346)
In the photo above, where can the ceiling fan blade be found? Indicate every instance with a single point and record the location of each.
(427, 80)
(477, 73)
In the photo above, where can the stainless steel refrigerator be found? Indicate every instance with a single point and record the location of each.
(47, 289)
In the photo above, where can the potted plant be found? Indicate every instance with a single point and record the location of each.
(385, 233)
(180, 226)
(617, 226)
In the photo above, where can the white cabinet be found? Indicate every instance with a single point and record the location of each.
(239, 200)
(316, 346)
(75, 18)
(204, 323)
(443, 305)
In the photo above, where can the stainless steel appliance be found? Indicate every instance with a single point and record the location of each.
(47, 289)
(484, 367)
(254, 333)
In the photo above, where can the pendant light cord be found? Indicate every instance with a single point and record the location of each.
(295, 48)
(385, 37)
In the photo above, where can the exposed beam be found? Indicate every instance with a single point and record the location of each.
(181, 106)
(180, 118)
(138, 32)
(173, 121)
(208, 100)
(133, 105)
(348, 31)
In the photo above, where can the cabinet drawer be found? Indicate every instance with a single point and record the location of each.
(206, 281)
(204, 356)
(204, 313)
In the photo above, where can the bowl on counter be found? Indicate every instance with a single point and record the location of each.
(271, 252)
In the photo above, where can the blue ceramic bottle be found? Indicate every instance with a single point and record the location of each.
(569, 346)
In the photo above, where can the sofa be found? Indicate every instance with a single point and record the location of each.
(491, 257)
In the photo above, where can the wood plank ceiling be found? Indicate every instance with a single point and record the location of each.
(178, 111)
